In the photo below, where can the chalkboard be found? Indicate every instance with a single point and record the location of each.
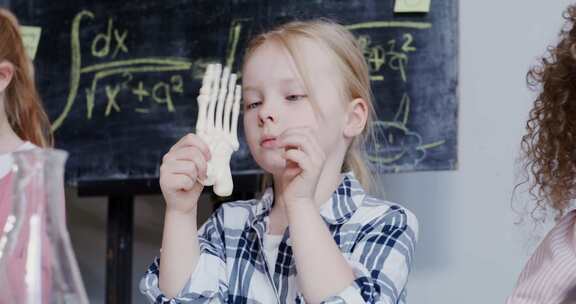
(119, 79)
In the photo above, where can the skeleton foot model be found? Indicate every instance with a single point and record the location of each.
(217, 124)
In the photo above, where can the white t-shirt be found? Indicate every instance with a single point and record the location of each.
(271, 244)
(6, 159)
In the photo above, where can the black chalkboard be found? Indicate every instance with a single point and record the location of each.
(119, 79)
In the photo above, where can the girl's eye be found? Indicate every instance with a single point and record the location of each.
(295, 97)
(253, 105)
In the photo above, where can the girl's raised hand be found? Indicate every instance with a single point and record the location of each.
(182, 169)
(304, 162)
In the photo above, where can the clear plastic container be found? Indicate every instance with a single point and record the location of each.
(37, 263)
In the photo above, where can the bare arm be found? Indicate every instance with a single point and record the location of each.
(181, 169)
(195, 161)
(316, 253)
(180, 251)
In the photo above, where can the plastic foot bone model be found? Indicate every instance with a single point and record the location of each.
(217, 124)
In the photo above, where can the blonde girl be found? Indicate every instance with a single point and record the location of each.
(315, 235)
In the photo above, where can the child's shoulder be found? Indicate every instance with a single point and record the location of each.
(375, 203)
(373, 209)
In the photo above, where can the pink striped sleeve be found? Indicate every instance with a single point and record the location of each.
(551, 271)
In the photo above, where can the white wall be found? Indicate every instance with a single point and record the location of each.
(470, 250)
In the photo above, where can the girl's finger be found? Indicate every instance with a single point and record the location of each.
(190, 154)
(182, 182)
(176, 181)
(303, 140)
(295, 141)
(308, 133)
(300, 158)
(185, 167)
(318, 153)
(192, 140)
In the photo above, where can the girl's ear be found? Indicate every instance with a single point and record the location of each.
(356, 117)
(6, 74)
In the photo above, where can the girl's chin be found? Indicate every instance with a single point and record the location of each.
(281, 169)
(272, 165)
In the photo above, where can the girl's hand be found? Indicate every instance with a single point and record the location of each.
(304, 162)
(181, 170)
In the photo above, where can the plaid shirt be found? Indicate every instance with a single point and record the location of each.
(376, 237)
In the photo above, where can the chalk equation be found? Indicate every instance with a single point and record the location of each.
(394, 54)
(107, 46)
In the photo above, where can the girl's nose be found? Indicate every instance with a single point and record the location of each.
(266, 114)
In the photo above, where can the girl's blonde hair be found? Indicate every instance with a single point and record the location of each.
(22, 104)
(346, 54)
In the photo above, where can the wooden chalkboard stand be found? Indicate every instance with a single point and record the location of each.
(120, 224)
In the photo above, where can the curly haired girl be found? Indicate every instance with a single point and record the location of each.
(549, 148)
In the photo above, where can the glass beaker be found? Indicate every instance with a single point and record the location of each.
(37, 263)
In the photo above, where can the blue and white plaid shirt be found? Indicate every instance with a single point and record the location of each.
(376, 237)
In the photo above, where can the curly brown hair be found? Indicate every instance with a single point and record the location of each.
(549, 147)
